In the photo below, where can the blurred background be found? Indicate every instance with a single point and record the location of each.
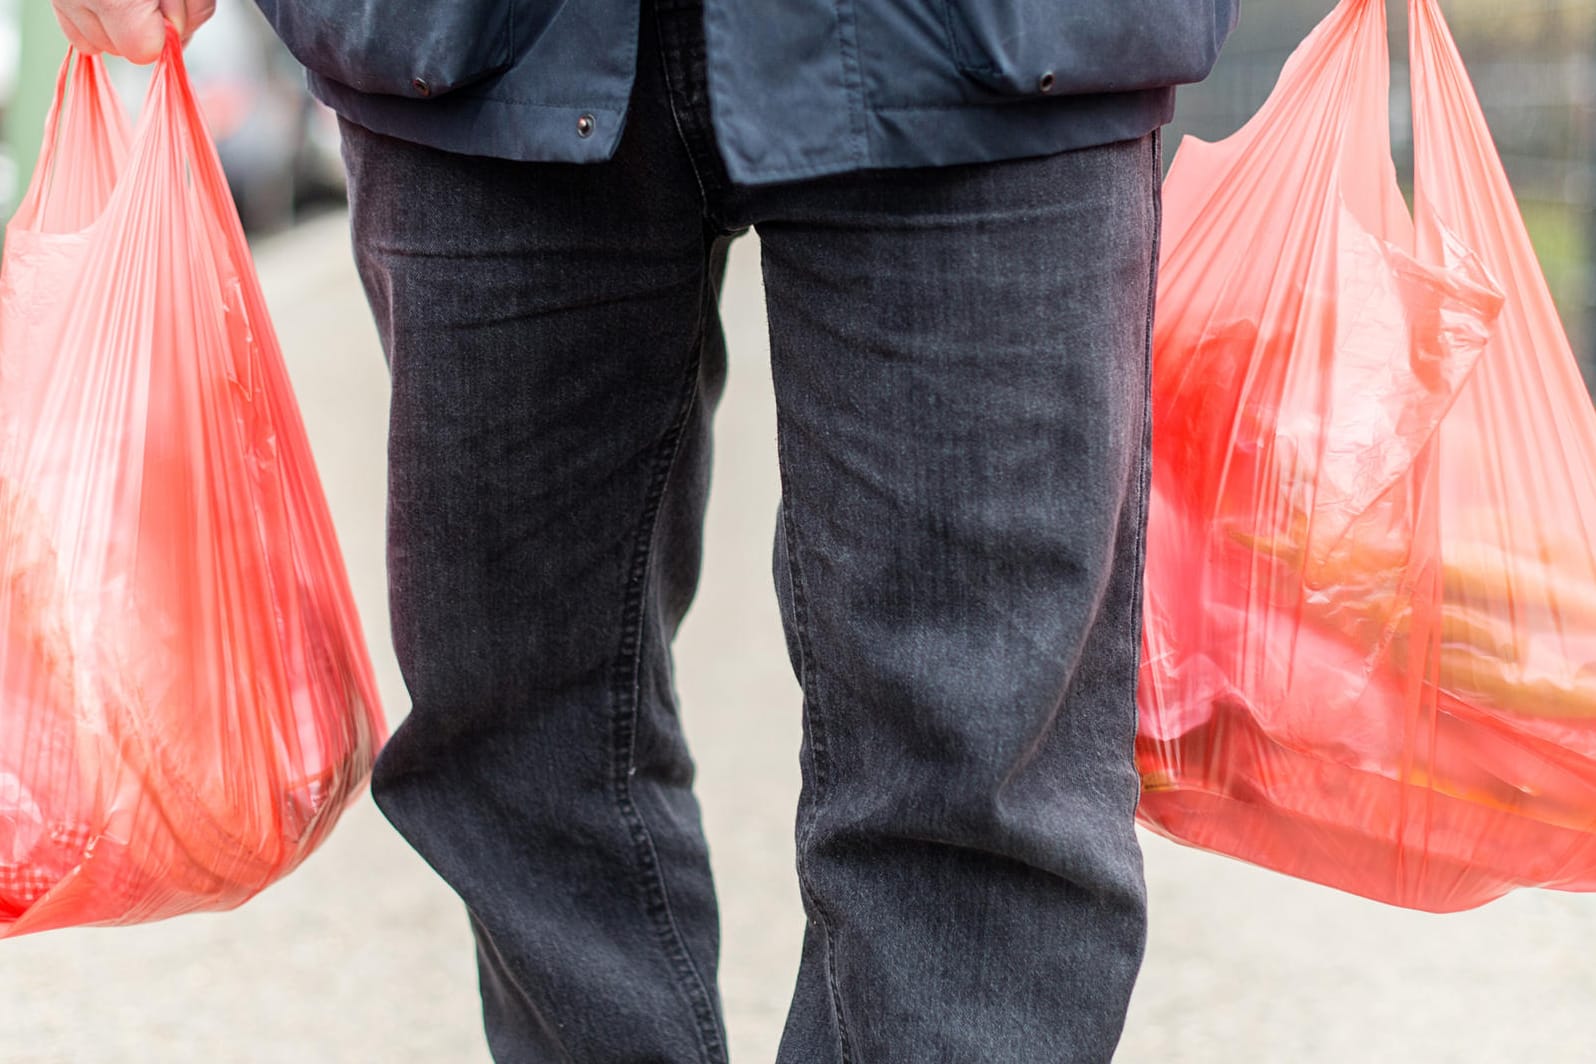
(363, 956)
(278, 145)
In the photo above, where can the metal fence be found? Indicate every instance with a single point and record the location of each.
(1533, 63)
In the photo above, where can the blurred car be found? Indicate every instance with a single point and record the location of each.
(278, 145)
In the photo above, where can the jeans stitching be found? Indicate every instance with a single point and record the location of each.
(626, 696)
(1144, 463)
(817, 747)
(1155, 147)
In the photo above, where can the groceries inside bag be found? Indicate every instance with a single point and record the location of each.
(1369, 653)
(186, 701)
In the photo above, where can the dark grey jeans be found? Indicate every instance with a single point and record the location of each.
(961, 368)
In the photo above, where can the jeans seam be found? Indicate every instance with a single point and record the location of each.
(626, 693)
(1145, 457)
(1143, 486)
(817, 749)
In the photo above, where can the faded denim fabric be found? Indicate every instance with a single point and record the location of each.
(961, 372)
(799, 88)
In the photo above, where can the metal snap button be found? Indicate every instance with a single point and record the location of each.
(1046, 82)
(421, 87)
(584, 126)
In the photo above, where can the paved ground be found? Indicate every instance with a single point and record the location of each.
(362, 957)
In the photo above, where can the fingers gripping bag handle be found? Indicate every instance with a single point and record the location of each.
(186, 700)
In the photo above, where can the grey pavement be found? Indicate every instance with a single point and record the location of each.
(363, 956)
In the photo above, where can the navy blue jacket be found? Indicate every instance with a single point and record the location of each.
(798, 88)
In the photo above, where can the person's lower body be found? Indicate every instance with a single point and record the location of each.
(961, 367)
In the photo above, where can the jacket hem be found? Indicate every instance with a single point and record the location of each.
(921, 135)
(896, 136)
(463, 122)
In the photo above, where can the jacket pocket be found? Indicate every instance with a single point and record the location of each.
(1040, 47)
(415, 48)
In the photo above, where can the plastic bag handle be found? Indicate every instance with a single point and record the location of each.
(176, 122)
(1336, 85)
(1448, 127)
(87, 141)
(1461, 184)
(203, 156)
(86, 124)
(52, 121)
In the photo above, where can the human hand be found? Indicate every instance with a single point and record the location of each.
(134, 29)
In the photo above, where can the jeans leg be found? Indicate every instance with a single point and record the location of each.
(556, 357)
(961, 369)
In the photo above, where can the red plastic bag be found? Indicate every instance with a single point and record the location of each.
(186, 701)
(1370, 629)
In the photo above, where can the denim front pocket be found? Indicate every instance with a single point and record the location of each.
(422, 48)
(1046, 47)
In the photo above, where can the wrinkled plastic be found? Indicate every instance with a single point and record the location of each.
(1370, 628)
(186, 701)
